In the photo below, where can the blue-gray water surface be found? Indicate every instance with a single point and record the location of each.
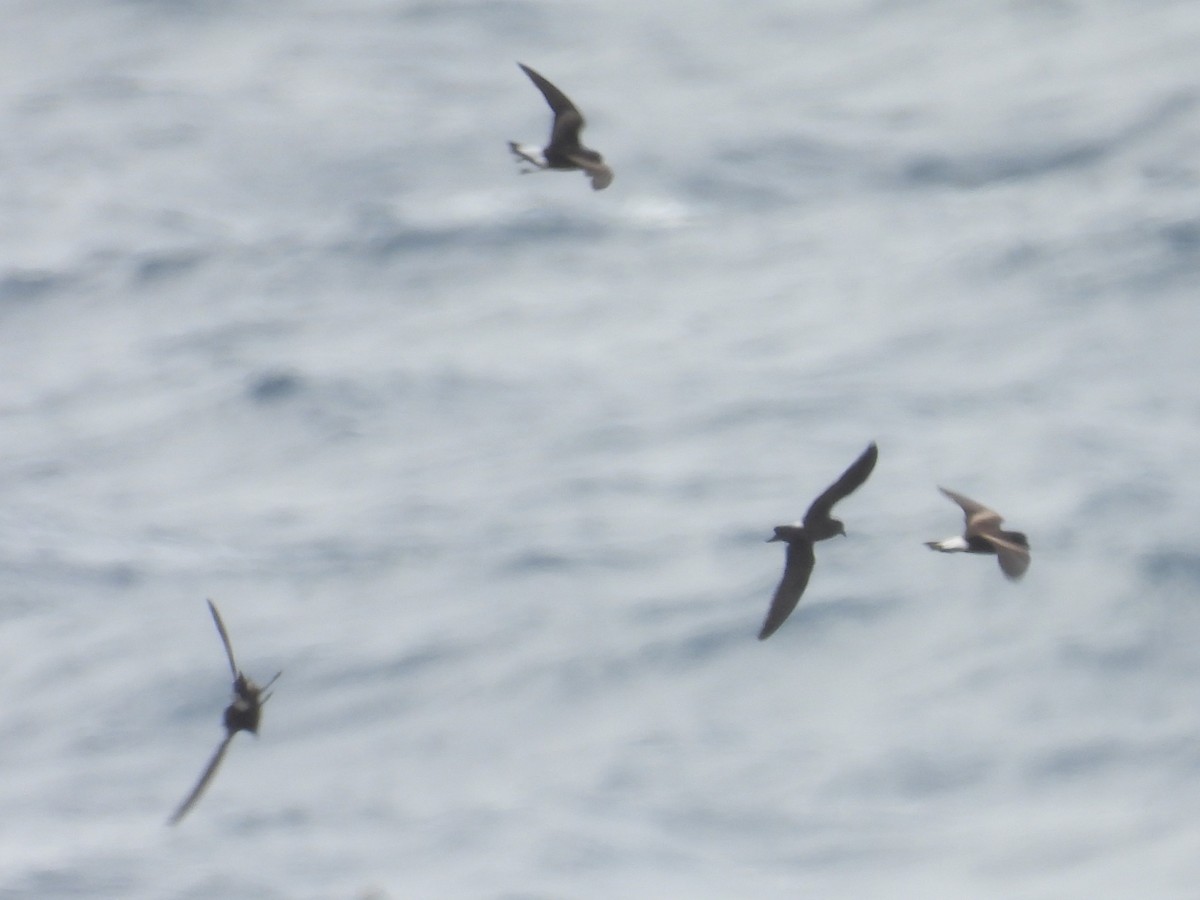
(485, 462)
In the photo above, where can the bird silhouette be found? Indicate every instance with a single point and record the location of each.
(983, 534)
(242, 714)
(564, 150)
(818, 525)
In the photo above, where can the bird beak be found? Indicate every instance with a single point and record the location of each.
(773, 539)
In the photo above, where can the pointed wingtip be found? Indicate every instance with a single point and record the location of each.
(950, 494)
(867, 459)
(769, 626)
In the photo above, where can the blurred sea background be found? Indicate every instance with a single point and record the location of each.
(485, 462)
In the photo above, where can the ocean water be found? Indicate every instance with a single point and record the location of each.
(485, 462)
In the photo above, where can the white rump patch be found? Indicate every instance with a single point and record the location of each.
(952, 545)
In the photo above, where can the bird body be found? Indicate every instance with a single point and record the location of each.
(818, 525)
(564, 151)
(243, 714)
(984, 535)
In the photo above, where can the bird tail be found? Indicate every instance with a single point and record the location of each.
(531, 155)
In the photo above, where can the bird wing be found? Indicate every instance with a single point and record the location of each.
(981, 520)
(568, 120)
(1013, 558)
(566, 128)
(600, 174)
(205, 778)
(224, 639)
(796, 572)
(847, 484)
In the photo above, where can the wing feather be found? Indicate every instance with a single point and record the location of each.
(1013, 558)
(600, 174)
(850, 481)
(224, 638)
(559, 102)
(980, 519)
(205, 778)
(796, 572)
(568, 120)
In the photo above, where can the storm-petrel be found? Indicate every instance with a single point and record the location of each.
(983, 534)
(818, 525)
(564, 150)
(241, 715)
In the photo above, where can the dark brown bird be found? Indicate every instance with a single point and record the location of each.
(564, 150)
(983, 534)
(242, 714)
(818, 525)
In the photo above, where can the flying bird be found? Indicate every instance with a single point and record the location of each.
(983, 534)
(241, 715)
(564, 150)
(818, 525)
